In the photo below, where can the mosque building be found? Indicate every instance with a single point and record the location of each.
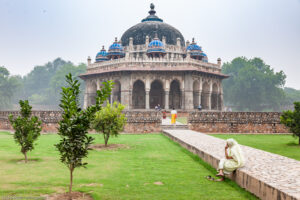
(153, 65)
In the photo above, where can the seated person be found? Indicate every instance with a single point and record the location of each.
(234, 159)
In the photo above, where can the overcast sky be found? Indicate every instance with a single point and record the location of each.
(33, 32)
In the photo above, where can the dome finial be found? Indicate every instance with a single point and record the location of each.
(152, 6)
(116, 39)
(152, 11)
(193, 40)
(102, 47)
(155, 36)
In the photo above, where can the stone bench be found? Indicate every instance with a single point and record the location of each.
(267, 175)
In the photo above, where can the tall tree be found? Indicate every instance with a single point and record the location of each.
(253, 85)
(75, 123)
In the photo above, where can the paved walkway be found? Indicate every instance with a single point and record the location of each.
(267, 175)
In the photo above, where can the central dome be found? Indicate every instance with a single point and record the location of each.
(151, 26)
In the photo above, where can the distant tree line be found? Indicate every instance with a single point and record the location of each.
(42, 86)
(255, 86)
(252, 86)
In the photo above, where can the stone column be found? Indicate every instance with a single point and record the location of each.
(200, 92)
(188, 99)
(221, 98)
(147, 99)
(209, 100)
(85, 100)
(125, 98)
(166, 99)
(111, 97)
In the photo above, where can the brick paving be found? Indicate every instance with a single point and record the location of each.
(271, 176)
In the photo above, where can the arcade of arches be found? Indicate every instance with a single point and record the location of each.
(168, 93)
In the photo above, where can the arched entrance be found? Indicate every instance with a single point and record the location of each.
(175, 95)
(214, 97)
(196, 92)
(157, 94)
(138, 95)
(205, 96)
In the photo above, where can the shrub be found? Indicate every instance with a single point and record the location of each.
(292, 120)
(110, 120)
(27, 129)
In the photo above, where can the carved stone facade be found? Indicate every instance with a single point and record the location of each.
(155, 67)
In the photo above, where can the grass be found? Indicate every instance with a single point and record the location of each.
(114, 174)
(182, 120)
(285, 145)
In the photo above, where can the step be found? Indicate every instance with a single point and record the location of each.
(175, 127)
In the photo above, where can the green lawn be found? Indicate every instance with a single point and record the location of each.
(285, 145)
(114, 174)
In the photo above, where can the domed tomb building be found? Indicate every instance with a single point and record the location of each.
(152, 64)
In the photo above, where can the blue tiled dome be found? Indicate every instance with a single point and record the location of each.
(116, 50)
(196, 51)
(156, 46)
(101, 55)
(193, 47)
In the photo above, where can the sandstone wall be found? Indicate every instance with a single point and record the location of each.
(137, 121)
(236, 122)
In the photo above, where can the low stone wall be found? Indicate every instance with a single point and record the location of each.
(236, 122)
(137, 121)
(143, 122)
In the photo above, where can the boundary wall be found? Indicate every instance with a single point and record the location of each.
(150, 121)
(236, 122)
(137, 121)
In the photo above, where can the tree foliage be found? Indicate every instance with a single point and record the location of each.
(9, 85)
(27, 128)
(292, 120)
(75, 123)
(110, 120)
(253, 85)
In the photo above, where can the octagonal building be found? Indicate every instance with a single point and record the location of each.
(153, 65)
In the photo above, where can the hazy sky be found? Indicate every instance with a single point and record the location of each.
(33, 32)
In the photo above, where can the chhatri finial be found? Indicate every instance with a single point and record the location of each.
(103, 47)
(193, 40)
(152, 11)
(116, 39)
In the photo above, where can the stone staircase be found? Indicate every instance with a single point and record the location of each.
(174, 127)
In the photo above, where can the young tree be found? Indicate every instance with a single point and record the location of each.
(27, 129)
(75, 123)
(292, 120)
(110, 120)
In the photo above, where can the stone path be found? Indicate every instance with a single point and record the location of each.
(267, 175)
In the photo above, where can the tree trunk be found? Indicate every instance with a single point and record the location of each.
(25, 154)
(71, 181)
(106, 139)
